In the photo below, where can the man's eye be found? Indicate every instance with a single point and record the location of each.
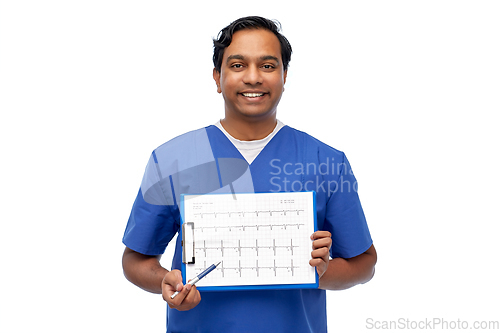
(268, 66)
(237, 66)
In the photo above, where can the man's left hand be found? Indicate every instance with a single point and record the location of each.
(322, 241)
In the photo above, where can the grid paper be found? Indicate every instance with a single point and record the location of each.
(261, 238)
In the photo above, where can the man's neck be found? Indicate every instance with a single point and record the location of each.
(244, 130)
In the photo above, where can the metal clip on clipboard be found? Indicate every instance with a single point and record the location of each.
(188, 243)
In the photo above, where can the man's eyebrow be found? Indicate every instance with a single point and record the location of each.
(270, 57)
(240, 57)
(235, 56)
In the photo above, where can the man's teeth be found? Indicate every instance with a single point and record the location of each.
(252, 94)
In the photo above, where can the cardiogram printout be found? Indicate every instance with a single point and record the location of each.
(262, 239)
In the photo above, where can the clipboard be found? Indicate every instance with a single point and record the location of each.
(262, 239)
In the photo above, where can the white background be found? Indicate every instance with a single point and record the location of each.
(408, 89)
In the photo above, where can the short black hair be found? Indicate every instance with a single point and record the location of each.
(250, 22)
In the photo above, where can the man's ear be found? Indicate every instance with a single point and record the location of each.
(284, 79)
(216, 75)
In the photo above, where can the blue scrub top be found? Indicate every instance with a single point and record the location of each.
(205, 161)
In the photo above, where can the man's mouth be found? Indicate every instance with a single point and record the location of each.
(252, 95)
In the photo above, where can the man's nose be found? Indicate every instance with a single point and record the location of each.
(252, 75)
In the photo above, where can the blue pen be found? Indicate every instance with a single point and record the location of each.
(199, 277)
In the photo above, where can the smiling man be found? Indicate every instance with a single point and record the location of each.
(251, 79)
(251, 60)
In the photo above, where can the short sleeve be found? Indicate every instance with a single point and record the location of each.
(345, 218)
(152, 222)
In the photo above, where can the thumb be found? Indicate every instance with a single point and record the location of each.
(174, 279)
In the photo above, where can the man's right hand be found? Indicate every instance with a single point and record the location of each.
(188, 296)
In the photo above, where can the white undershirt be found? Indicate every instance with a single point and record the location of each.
(250, 149)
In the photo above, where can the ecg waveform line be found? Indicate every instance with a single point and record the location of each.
(244, 227)
(257, 268)
(256, 212)
(223, 248)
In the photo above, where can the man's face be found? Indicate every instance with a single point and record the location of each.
(252, 77)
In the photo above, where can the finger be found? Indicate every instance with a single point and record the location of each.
(315, 262)
(320, 266)
(191, 300)
(321, 234)
(323, 242)
(321, 253)
(179, 298)
(193, 296)
(173, 278)
(171, 283)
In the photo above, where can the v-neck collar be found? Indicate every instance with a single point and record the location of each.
(238, 153)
